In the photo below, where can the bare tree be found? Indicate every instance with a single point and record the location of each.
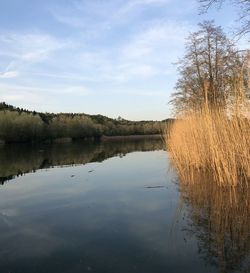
(207, 70)
(244, 12)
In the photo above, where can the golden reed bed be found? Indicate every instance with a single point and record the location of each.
(211, 142)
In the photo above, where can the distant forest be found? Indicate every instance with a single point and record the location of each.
(20, 125)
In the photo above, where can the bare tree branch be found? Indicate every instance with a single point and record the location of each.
(243, 7)
(208, 69)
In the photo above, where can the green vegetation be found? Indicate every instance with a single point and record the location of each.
(19, 125)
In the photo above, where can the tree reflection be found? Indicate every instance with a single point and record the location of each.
(17, 159)
(220, 219)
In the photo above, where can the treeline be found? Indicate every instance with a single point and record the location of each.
(20, 125)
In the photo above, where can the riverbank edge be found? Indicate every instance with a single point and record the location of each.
(131, 137)
(101, 138)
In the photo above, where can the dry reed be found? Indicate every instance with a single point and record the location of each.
(209, 141)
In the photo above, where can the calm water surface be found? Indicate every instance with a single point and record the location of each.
(107, 207)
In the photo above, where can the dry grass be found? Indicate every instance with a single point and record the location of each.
(209, 141)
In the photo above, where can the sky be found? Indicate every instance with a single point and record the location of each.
(109, 57)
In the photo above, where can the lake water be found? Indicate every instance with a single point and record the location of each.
(113, 207)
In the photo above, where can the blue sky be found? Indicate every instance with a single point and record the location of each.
(110, 57)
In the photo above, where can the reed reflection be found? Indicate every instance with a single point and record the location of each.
(219, 218)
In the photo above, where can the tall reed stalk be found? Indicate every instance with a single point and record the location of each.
(209, 141)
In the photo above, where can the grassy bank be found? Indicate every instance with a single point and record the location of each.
(211, 142)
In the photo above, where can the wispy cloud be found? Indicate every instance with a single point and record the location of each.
(57, 89)
(27, 46)
(141, 92)
(18, 95)
(8, 74)
(94, 49)
(147, 51)
(22, 50)
(36, 96)
(153, 50)
(107, 14)
(161, 37)
(74, 90)
(133, 4)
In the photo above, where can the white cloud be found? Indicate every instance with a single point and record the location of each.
(147, 51)
(29, 47)
(145, 54)
(19, 95)
(137, 3)
(73, 21)
(15, 88)
(149, 2)
(154, 49)
(132, 70)
(106, 14)
(75, 90)
(139, 60)
(143, 70)
(8, 74)
(22, 50)
(37, 96)
(141, 92)
(63, 76)
(161, 38)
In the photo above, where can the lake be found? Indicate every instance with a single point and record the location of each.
(113, 206)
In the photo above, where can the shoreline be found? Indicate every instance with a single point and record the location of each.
(86, 139)
(131, 137)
